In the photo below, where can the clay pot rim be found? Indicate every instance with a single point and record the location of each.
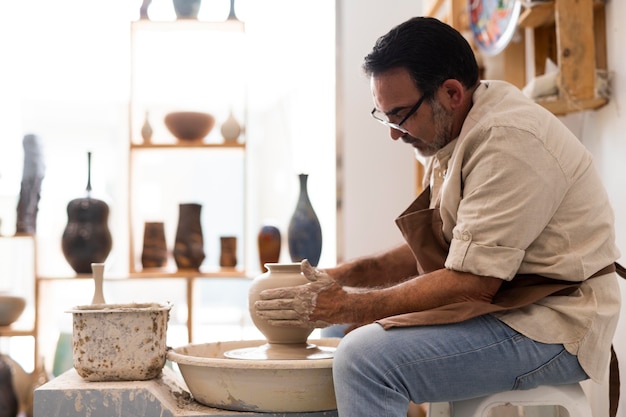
(177, 355)
(283, 267)
(121, 308)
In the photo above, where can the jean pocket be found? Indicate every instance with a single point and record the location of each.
(561, 369)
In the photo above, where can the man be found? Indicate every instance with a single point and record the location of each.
(506, 280)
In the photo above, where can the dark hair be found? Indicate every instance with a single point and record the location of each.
(430, 50)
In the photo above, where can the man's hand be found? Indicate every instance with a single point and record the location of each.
(296, 306)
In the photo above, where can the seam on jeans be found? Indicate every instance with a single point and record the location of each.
(521, 382)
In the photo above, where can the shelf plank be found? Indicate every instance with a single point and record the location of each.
(187, 145)
(562, 107)
(158, 274)
(9, 331)
(189, 24)
(540, 14)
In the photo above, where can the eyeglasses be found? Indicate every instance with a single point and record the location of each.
(383, 118)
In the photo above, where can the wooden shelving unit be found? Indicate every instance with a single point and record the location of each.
(185, 65)
(572, 33)
(205, 67)
(20, 328)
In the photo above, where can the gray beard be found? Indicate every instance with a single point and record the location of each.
(443, 129)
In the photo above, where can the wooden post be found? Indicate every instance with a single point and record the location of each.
(575, 49)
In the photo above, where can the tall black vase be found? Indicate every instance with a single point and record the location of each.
(304, 235)
(86, 237)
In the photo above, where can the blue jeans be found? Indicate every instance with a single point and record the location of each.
(376, 372)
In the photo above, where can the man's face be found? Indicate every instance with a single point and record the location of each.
(428, 129)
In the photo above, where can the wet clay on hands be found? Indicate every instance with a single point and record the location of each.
(298, 306)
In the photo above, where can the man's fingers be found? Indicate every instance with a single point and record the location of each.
(275, 293)
(279, 304)
(308, 270)
(290, 323)
(278, 315)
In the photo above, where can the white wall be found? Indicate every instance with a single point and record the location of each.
(604, 133)
(378, 172)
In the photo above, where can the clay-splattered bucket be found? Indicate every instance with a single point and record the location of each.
(120, 342)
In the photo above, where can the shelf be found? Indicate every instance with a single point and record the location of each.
(9, 331)
(542, 14)
(187, 145)
(158, 274)
(189, 24)
(571, 33)
(562, 107)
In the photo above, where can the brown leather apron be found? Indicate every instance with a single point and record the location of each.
(422, 230)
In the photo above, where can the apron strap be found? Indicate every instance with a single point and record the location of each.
(614, 381)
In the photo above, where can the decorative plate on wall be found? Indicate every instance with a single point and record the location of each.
(493, 23)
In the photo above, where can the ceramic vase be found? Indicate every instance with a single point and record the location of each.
(269, 242)
(187, 9)
(86, 238)
(30, 191)
(228, 251)
(146, 129)
(154, 253)
(304, 235)
(231, 14)
(230, 129)
(278, 275)
(189, 242)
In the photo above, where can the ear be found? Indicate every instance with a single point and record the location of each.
(452, 93)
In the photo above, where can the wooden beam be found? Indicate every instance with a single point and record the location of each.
(575, 49)
(540, 14)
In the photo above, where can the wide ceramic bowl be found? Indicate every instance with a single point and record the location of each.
(11, 308)
(280, 385)
(189, 125)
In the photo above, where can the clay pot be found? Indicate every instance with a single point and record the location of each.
(120, 342)
(278, 275)
(189, 125)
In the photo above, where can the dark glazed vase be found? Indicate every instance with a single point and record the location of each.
(86, 238)
(154, 253)
(269, 242)
(305, 233)
(189, 245)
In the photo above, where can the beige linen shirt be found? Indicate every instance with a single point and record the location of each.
(519, 194)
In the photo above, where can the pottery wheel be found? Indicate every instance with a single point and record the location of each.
(274, 351)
